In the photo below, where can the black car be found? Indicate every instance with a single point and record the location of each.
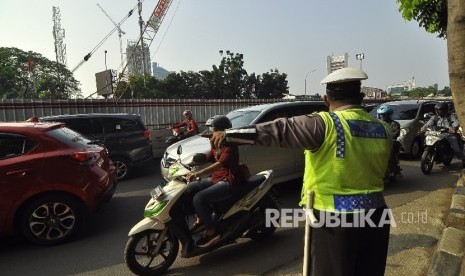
(124, 135)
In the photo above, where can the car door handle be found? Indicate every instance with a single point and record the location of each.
(18, 173)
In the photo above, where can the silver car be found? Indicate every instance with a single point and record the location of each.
(287, 164)
(410, 115)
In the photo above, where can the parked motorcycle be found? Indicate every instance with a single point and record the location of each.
(153, 243)
(437, 149)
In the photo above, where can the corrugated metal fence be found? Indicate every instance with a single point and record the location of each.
(156, 114)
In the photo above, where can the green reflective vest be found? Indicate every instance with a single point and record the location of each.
(352, 159)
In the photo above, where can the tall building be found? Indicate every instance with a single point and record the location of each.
(334, 63)
(397, 89)
(135, 59)
(159, 72)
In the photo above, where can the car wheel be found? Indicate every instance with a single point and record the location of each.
(415, 149)
(122, 168)
(51, 219)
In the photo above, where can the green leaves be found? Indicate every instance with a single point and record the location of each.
(30, 75)
(430, 14)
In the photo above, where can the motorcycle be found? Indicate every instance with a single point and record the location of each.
(153, 243)
(177, 134)
(437, 149)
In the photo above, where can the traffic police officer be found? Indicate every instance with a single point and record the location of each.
(346, 156)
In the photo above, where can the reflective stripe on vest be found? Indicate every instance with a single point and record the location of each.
(351, 161)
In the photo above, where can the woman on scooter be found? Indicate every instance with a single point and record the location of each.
(222, 184)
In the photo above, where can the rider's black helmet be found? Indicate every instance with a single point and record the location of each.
(219, 122)
(441, 108)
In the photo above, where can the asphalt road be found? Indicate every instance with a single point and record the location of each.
(98, 250)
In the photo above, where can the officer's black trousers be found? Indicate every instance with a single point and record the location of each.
(350, 251)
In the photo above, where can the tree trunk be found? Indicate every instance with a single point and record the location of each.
(456, 54)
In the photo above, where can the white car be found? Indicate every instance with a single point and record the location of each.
(287, 164)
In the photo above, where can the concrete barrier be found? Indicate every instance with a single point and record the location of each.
(449, 256)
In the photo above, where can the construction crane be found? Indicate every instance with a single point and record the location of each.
(86, 57)
(150, 29)
(156, 18)
(120, 33)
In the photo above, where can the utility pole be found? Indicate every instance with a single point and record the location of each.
(141, 23)
(306, 81)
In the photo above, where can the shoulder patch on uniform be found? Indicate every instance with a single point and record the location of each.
(367, 129)
(313, 114)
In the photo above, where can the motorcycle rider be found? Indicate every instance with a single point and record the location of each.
(384, 113)
(444, 118)
(223, 182)
(189, 123)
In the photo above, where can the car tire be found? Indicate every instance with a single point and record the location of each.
(122, 167)
(51, 219)
(416, 149)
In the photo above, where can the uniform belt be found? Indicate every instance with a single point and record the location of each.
(350, 203)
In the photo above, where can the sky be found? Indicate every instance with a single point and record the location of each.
(293, 36)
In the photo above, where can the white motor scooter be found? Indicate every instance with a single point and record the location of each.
(153, 243)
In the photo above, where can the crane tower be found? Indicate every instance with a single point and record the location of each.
(59, 35)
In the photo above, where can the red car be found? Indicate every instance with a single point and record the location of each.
(50, 178)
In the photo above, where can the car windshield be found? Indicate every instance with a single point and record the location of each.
(401, 111)
(242, 118)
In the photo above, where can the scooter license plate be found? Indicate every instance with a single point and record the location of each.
(157, 192)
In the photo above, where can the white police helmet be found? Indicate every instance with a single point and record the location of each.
(345, 75)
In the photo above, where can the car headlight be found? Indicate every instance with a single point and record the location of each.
(403, 131)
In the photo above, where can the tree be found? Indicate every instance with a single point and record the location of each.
(447, 19)
(445, 91)
(29, 75)
(228, 80)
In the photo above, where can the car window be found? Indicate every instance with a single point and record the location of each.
(14, 145)
(242, 118)
(276, 113)
(291, 111)
(85, 126)
(400, 111)
(427, 108)
(116, 125)
(308, 109)
(69, 137)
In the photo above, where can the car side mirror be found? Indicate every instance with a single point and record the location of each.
(428, 115)
(179, 150)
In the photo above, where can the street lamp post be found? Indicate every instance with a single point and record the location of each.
(309, 72)
(360, 57)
